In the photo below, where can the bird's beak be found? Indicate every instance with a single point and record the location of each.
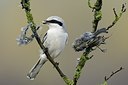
(44, 21)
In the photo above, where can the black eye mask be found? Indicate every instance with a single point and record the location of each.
(55, 21)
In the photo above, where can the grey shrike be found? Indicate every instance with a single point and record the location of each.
(55, 40)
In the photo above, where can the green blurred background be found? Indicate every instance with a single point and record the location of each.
(16, 61)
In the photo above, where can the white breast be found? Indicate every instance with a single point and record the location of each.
(55, 42)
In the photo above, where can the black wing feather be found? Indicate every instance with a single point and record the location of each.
(44, 38)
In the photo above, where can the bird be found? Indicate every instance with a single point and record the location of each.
(54, 40)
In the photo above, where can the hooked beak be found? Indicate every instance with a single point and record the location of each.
(44, 22)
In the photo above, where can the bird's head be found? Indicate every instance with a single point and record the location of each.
(54, 21)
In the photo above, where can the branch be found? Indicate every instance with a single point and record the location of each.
(97, 13)
(26, 6)
(80, 66)
(113, 73)
(117, 16)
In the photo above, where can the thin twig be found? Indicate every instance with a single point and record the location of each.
(113, 73)
(117, 16)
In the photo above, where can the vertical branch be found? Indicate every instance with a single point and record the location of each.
(80, 66)
(97, 13)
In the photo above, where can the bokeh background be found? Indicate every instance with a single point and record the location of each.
(16, 61)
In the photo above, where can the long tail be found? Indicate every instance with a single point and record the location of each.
(36, 68)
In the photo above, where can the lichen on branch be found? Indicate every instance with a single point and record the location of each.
(83, 59)
(97, 13)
